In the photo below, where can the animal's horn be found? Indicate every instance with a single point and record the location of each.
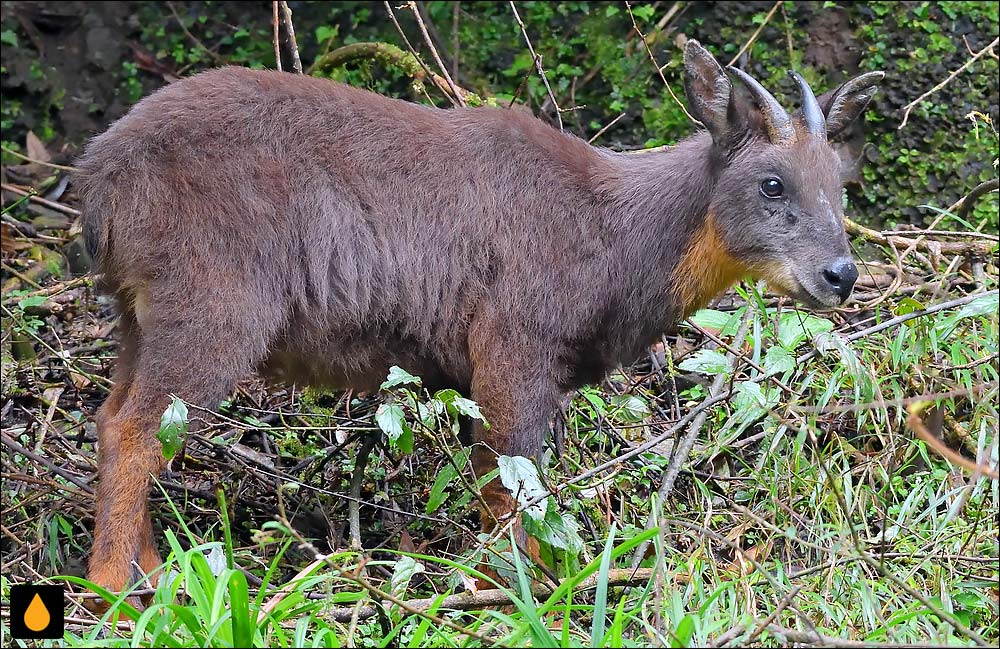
(812, 114)
(779, 124)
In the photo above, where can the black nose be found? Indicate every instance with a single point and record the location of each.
(841, 276)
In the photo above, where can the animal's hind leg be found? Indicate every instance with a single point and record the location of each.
(124, 371)
(197, 356)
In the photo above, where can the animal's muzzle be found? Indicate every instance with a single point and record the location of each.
(840, 276)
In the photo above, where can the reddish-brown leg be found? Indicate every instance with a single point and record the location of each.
(196, 354)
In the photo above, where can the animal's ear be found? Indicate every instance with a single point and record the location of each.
(708, 90)
(844, 104)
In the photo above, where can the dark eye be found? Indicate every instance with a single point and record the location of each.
(772, 188)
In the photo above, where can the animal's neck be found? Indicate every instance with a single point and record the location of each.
(673, 259)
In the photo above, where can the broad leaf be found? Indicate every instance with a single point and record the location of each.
(398, 376)
(173, 428)
(629, 408)
(705, 361)
(402, 573)
(778, 360)
(390, 419)
(520, 476)
(795, 327)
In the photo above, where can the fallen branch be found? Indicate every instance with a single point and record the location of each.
(974, 248)
(910, 106)
(390, 55)
(32, 196)
(495, 597)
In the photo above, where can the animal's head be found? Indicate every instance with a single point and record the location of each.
(777, 204)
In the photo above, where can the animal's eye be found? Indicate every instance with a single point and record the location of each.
(772, 188)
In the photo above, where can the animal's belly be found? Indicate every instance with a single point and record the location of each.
(358, 365)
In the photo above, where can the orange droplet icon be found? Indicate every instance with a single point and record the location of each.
(37, 616)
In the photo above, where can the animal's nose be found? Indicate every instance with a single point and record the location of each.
(841, 275)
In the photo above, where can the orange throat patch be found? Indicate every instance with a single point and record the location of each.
(706, 268)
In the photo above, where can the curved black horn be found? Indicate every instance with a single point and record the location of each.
(779, 124)
(812, 114)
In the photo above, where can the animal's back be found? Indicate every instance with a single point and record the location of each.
(373, 225)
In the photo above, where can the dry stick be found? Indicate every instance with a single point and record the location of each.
(374, 590)
(493, 597)
(215, 57)
(437, 58)
(910, 106)
(354, 504)
(538, 64)
(32, 196)
(37, 162)
(683, 449)
(455, 44)
(753, 38)
(46, 463)
(277, 44)
(975, 468)
(794, 636)
(605, 128)
(656, 65)
(409, 46)
(970, 199)
(296, 62)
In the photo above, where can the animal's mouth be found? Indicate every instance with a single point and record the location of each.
(790, 285)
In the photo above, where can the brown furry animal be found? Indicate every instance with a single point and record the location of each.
(265, 221)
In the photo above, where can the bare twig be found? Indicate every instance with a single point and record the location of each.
(354, 505)
(277, 36)
(287, 13)
(604, 129)
(416, 56)
(437, 58)
(754, 36)
(194, 39)
(917, 425)
(659, 70)
(910, 106)
(37, 162)
(32, 196)
(970, 199)
(538, 64)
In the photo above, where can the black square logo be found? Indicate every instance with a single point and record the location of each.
(37, 612)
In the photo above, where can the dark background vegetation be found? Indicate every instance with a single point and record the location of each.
(70, 68)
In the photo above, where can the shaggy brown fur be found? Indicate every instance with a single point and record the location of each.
(259, 221)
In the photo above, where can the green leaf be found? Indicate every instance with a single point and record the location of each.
(629, 408)
(705, 361)
(459, 405)
(398, 376)
(983, 305)
(683, 633)
(8, 37)
(402, 573)
(520, 476)
(448, 473)
(644, 12)
(173, 428)
(711, 319)
(795, 327)
(30, 302)
(778, 360)
(829, 340)
(325, 33)
(556, 529)
(391, 420)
